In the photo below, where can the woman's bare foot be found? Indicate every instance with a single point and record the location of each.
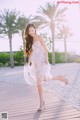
(41, 107)
(63, 79)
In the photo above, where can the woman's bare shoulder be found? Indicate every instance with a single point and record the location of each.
(38, 37)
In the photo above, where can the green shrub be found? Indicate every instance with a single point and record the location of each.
(78, 60)
(4, 58)
(18, 57)
(50, 57)
(59, 57)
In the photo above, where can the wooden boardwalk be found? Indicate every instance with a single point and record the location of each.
(21, 103)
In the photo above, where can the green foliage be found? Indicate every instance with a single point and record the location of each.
(4, 58)
(78, 60)
(50, 57)
(18, 57)
(22, 22)
(8, 20)
(60, 57)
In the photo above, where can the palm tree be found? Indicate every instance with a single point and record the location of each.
(8, 27)
(22, 23)
(48, 16)
(65, 33)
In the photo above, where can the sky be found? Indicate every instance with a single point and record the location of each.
(29, 7)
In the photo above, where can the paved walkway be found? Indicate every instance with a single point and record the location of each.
(21, 101)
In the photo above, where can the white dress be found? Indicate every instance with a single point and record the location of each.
(39, 71)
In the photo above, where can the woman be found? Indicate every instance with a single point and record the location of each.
(37, 70)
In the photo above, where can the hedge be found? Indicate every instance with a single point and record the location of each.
(19, 59)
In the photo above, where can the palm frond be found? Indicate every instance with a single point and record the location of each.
(47, 11)
(49, 14)
(65, 31)
(8, 21)
(60, 12)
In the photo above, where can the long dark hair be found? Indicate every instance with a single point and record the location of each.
(29, 39)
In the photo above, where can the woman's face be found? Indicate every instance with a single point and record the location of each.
(32, 31)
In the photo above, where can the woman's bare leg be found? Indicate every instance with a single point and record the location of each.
(40, 91)
(61, 78)
(42, 103)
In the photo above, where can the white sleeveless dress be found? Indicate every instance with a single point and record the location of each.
(39, 71)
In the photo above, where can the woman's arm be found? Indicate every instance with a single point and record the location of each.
(29, 56)
(44, 46)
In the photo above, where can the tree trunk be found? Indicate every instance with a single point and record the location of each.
(53, 50)
(65, 49)
(23, 46)
(11, 53)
